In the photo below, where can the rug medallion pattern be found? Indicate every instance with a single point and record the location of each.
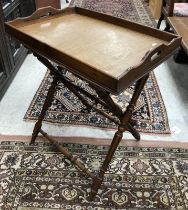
(38, 178)
(150, 114)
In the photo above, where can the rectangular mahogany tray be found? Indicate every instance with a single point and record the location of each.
(107, 51)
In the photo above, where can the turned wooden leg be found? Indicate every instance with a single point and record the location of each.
(124, 125)
(167, 28)
(133, 131)
(115, 108)
(128, 113)
(45, 107)
(97, 181)
(160, 20)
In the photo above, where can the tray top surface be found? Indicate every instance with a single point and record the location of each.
(107, 47)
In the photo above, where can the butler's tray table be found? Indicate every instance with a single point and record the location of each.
(107, 52)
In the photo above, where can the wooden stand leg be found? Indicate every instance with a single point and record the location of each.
(45, 107)
(99, 179)
(124, 125)
(167, 28)
(160, 20)
(115, 108)
(133, 131)
(128, 113)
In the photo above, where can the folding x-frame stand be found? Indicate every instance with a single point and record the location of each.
(122, 119)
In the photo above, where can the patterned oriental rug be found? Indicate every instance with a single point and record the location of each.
(38, 178)
(133, 10)
(149, 115)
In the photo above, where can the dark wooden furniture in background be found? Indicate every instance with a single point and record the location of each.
(180, 26)
(80, 41)
(12, 52)
(172, 8)
(174, 11)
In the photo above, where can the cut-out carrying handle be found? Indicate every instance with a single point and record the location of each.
(44, 12)
(154, 55)
(41, 13)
